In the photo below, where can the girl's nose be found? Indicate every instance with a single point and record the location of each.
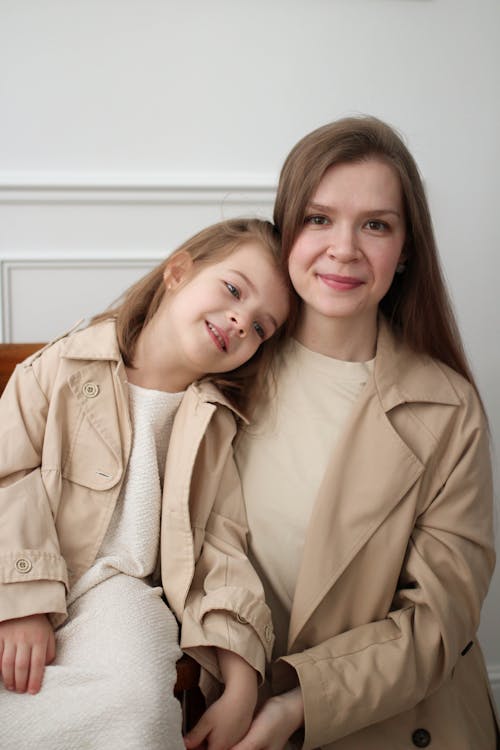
(239, 325)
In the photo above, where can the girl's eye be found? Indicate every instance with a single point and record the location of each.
(316, 220)
(260, 331)
(377, 226)
(232, 289)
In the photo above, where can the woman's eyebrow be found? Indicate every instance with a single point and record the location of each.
(373, 212)
(318, 207)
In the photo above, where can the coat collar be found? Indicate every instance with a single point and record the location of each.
(401, 376)
(371, 471)
(99, 342)
(96, 342)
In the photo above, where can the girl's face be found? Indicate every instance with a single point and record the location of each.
(220, 314)
(344, 259)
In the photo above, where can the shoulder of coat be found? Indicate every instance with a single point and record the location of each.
(50, 344)
(405, 376)
(206, 392)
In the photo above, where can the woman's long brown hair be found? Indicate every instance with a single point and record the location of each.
(417, 305)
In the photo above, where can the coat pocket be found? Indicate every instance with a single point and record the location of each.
(91, 461)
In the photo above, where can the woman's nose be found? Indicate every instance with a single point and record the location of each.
(343, 245)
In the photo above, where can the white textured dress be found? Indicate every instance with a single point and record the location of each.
(111, 685)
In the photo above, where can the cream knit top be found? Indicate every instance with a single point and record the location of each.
(282, 458)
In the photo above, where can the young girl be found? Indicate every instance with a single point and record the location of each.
(85, 427)
(372, 467)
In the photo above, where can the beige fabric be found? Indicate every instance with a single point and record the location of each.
(284, 465)
(65, 447)
(397, 561)
(132, 538)
(111, 685)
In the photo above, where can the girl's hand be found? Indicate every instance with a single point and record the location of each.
(228, 719)
(277, 720)
(221, 726)
(27, 644)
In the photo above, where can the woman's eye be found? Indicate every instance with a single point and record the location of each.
(316, 220)
(232, 289)
(260, 331)
(377, 226)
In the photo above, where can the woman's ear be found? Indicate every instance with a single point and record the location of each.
(177, 270)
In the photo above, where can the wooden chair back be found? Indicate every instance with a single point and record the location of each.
(10, 356)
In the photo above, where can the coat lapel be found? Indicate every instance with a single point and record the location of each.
(371, 470)
(92, 385)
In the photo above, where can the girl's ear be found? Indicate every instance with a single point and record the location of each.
(177, 270)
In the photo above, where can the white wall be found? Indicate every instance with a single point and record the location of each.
(127, 124)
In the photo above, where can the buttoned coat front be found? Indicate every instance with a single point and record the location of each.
(397, 561)
(65, 443)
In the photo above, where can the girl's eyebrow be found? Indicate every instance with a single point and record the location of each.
(252, 287)
(374, 212)
(245, 279)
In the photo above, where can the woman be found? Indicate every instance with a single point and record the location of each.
(368, 484)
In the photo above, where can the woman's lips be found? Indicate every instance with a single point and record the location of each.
(342, 283)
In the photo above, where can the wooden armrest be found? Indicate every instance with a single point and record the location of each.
(187, 691)
(10, 356)
(188, 674)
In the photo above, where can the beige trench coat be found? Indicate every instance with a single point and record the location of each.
(64, 448)
(397, 561)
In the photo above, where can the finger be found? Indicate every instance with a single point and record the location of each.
(51, 648)
(37, 666)
(22, 667)
(8, 662)
(199, 733)
(247, 743)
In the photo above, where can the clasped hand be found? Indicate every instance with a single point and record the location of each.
(271, 728)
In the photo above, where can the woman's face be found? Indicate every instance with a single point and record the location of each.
(344, 258)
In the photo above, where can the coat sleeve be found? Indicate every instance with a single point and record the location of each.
(225, 606)
(380, 669)
(33, 576)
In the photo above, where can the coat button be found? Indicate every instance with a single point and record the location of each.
(421, 738)
(23, 565)
(90, 390)
(268, 633)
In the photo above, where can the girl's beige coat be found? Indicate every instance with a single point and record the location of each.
(396, 564)
(64, 449)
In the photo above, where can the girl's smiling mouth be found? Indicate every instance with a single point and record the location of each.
(217, 336)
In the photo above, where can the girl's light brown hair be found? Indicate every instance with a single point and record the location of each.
(417, 304)
(140, 302)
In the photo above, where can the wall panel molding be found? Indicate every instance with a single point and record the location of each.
(70, 243)
(43, 297)
(77, 188)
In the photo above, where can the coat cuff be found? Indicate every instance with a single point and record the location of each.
(31, 598)
(287, 672)
(27, 565)
(231, 619)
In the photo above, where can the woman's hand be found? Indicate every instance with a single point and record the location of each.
(27, 644)
(228, 719)
(277, 720)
